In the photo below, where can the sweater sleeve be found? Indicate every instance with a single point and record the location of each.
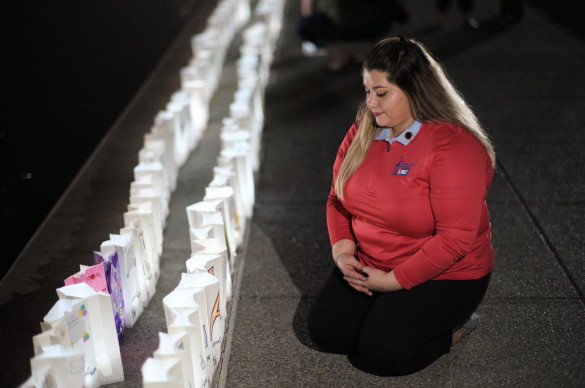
(458, 187)
(338, 218)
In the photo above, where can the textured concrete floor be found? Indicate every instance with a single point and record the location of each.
(525, 82)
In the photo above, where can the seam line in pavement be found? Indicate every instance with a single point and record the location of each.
(541, 232)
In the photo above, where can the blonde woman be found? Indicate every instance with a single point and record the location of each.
(407, 219)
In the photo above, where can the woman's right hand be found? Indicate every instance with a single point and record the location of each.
(351, 269)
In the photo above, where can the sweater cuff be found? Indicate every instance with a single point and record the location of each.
(401, 278)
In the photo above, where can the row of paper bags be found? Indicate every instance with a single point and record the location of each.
(195, 311)
(78, 345)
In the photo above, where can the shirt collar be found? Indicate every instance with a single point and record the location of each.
(404, 138)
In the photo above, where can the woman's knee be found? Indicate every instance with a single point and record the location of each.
(325, 334)
(381, 355)
(382, 362)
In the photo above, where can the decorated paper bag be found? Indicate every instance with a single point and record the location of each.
(66, 311)
(94, 276)
(226, 195)
(183, 297)
(214, 309)
(55, 333)
(173, 346)
(187, 321)
(145, 222)
(144, 261)
(158, 373)
(213, 246)
(213, 264)
(113, 279)
(187, 300)
(147, 210)
(57, 366)
(123, 247)
(92, 328)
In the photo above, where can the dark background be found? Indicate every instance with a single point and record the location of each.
(68, 70)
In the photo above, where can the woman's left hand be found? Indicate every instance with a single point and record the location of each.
(378, 280)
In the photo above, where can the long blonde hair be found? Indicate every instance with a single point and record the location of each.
(432, 97)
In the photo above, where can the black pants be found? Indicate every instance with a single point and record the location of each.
(392, 333)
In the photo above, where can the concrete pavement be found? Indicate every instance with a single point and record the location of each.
(525, 82)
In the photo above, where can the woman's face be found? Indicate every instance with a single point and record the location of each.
(387, 102)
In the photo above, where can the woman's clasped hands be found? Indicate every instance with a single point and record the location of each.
(366, 279)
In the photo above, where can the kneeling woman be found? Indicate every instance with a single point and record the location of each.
(407, 219)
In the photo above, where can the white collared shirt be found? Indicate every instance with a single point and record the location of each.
(404, 138)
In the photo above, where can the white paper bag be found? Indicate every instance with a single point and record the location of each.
(187, 321)
(123, 245)
(213, 224)
(162, 132)
(145, 222)
(152, 216)
(239, 159)
(180, 106)
(203, 232)
(228, 209)
(143, 263)
(53, 334)
(176, 346)
(197, 211)
(198, 102)
(224, 176)
(213, 246)
(58, 366)
(214, 310)
(160, 207)
(158, 373)
(213, 264)
(203, 213)
(191, 299)
(157, 171)
(91, 327)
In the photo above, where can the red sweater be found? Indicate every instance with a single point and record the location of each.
(418, 209)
